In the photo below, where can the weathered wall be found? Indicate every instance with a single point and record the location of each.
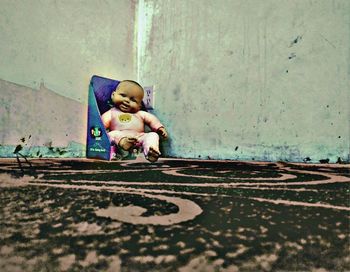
(235, 79)
(48, 52)
(41, 121)
(249, 79)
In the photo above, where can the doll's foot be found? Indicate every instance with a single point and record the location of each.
(152, 155)
(127, 143)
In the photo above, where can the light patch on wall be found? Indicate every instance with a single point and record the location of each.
(72, 41)
(145, 13)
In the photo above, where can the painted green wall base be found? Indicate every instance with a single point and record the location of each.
(257, 152)
(73, 150)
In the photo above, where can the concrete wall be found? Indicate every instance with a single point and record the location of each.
(48, 52)
(249, 79)
(235, 79)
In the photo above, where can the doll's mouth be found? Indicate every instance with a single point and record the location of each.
(124, 107)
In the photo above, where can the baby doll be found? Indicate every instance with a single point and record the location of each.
(126, 121)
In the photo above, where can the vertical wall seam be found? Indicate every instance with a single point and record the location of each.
(140, 6)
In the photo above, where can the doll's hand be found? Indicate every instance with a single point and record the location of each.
(162, 132)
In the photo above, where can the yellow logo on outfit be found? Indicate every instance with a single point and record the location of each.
(125, 118)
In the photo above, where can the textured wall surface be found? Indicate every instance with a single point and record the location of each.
(264, 80)
(42, 122)
(48, 52)
(63, 43)
(235, 79)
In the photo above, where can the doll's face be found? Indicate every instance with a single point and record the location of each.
(128, 97)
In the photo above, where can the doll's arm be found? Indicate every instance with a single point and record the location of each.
(106, 118)
(151, 120)
(154, 124)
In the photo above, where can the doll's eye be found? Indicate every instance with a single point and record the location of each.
(133, 99)
(123, 95)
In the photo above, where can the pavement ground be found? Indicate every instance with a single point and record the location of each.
(173, 215)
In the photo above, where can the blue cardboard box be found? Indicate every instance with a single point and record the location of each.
(98, 144)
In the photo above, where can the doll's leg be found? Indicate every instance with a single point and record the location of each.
(123, 139)
(150, 144)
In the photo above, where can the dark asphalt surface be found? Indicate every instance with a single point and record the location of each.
(174, 215)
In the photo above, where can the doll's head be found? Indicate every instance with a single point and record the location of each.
(128, 96)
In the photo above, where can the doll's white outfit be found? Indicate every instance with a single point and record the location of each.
(133, 125)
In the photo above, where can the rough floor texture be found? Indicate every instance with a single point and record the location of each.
(175, 215)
